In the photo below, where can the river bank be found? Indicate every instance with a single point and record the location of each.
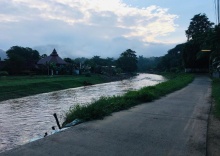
(172, 125)
(30, 117)
(105, 106)
(21, 86)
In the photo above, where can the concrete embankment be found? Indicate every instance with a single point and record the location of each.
(173, 125)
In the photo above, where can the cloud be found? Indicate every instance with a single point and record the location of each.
(84, 27)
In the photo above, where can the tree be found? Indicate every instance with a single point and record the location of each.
(70, 66)
(79, 62)
(43, 56)
(21, 59)
(172, 61)
(97, 63)
(190, 51)
(213, 43)
(127, 61)
(147, 64)
(142, 64)
(199, 25)
(198, 32)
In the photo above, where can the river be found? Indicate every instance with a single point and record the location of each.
(30, 117)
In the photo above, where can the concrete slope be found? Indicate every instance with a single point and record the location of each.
(175, 125)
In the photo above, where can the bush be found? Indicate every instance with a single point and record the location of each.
(88, 75)
(216, 96)
(3, 73)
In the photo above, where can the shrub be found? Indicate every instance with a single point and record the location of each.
(3, 73)
(88, 74)
(216, 96)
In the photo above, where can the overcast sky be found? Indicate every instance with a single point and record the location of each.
(106, 28)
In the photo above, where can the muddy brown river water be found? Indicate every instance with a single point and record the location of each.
(30, 117)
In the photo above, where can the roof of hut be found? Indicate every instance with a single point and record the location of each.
(53, 58)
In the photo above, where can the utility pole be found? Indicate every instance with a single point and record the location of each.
(217, 11)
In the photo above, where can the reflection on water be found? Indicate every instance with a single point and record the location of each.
(29, 117)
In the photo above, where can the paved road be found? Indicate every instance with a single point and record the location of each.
(174, 125)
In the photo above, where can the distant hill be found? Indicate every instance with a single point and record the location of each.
(3, 54)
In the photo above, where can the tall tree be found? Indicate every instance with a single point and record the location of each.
(21, 59)
(197, 33)
(127, 61)
(198, 26)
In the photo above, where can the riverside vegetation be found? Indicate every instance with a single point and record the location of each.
(216, 96)
(107, 105)
(21, 86)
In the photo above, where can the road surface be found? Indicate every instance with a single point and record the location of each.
(175, 125)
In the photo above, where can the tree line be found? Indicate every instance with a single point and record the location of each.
(200, 52)
(22, 60)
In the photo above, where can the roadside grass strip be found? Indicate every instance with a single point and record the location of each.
(107, 105)
(216, 96)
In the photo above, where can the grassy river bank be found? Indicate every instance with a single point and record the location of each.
(107, 105)
(12, 87)
(20, 86)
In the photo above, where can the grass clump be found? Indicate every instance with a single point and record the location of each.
(107, 105)
(216, 96)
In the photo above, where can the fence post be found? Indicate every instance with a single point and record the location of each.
(57, 121)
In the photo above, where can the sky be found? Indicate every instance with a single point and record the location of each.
(106, 28)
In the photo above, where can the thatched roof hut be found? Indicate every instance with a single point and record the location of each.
(53, 58)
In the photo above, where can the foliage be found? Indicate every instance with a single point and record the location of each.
(190, 51)
(97, 63)
(189, 55)
(21, 59)
(214, 44)
(198, 34)
(43, 56)
(186, 55)
(198, 27)
(3, 73)
(70, 66)
(127, 61)
(147, 64)
(107, 105)
(88, 75)
(216, 96)
(172, 61)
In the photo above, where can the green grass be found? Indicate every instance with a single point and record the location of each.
(21, 86)
(216, 96)
(107, 105)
